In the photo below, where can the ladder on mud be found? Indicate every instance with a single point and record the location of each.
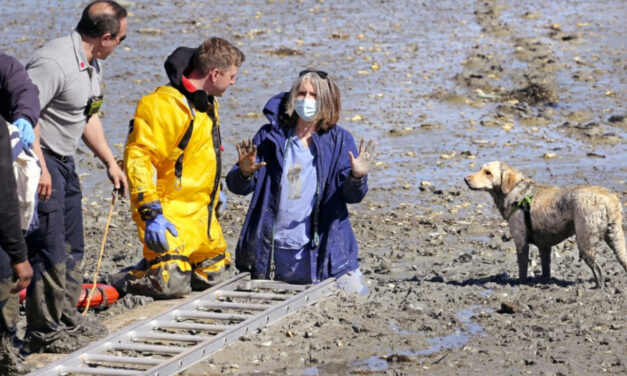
(193, 330)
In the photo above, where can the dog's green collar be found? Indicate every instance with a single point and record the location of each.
(519, 205)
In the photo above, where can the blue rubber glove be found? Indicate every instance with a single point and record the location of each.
(27, 135)
(155, 233)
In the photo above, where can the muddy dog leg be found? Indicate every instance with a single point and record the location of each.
(522, 254)
(589, 233)
(545, 259)
(616, 240)
(586, 252)
(588, 257)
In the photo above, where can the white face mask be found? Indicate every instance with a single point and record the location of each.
(306, 108)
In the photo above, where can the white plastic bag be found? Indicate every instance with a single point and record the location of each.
(27, 172)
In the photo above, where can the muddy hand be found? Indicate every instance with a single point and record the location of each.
(361, 164)
(247, 156)
(117, 177)
(22, 273)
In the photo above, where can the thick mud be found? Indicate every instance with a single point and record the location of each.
(444, 87)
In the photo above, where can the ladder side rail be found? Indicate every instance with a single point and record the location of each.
(75, 360)
(182, 361)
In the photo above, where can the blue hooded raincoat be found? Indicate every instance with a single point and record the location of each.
(333, 245)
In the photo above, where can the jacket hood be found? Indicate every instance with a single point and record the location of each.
(176, 65)
(275, 110)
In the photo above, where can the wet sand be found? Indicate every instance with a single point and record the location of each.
(444, 88)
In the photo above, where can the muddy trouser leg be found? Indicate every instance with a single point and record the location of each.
(75, 245)
(10, 361)
(162, 281)
(210, 272)
(48, 256)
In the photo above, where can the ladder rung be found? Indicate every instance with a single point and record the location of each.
(194, 330)
(250, 295)
(89, 358)
(210, 304)
(190, 326)
(98, 371)
(180, 314)
(266, 284)
(167, 336)
(150, 348)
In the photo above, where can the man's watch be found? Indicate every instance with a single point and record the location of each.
(150, 210)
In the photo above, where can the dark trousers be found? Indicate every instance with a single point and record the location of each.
(9, 305)
(55, 251)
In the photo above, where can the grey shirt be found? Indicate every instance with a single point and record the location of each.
(66, 81)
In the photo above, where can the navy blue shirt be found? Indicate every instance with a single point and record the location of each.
(19, 97)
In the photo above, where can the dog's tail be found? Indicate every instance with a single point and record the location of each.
(615, 236)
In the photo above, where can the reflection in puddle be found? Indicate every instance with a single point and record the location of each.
(398, 330)
(458, 338)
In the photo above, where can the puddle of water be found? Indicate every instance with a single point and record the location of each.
(486, 293)
(398, 330)
(457, 339)
(309, 372)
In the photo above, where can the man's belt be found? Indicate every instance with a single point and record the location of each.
(62, 158)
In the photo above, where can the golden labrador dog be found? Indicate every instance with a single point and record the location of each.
(545, 215)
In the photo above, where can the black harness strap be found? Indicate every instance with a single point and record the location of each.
(168, 257)
(178, 166)
(209, 262)
(217, 147)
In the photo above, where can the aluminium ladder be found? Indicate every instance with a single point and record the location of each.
(193, 330)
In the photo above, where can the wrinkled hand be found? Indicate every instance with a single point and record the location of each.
(27, 134)
(45, 184)
(361, 164)
(155, 233)
(247, 157)
(118, 178)
(23, 273)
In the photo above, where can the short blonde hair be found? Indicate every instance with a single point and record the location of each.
(217, 53)
(327, 94)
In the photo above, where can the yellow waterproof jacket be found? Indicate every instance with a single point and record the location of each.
(160, 122)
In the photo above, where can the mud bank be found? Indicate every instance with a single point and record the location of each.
(444, 87)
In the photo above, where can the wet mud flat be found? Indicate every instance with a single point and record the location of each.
(444, 87)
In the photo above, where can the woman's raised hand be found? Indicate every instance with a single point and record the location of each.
(247, 157)
(367, 155)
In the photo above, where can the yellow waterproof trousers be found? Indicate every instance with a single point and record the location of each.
(189, 201)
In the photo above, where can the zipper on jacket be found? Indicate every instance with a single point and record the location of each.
(271, 266)
(217, 143)
(315, 236)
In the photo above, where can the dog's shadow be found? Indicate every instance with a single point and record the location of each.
(504, 279)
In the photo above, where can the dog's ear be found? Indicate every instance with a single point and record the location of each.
(509, 178)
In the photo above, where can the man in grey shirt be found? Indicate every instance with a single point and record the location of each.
(68, 73)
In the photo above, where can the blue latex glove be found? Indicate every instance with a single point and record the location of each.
(27, 135)
(155, 233)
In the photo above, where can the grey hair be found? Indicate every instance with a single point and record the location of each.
(327, 95)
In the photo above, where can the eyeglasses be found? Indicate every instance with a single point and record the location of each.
(119, 40)
(322, 74)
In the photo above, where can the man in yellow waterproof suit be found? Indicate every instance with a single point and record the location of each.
(175, 133)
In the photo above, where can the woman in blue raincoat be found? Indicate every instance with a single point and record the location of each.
(303, 170)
